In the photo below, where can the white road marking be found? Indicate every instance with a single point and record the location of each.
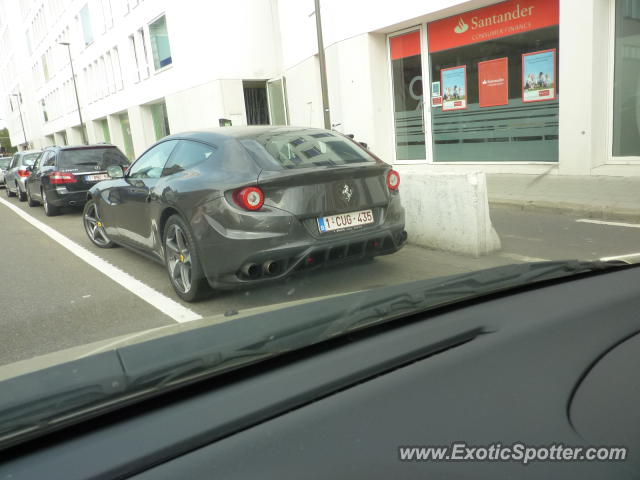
(626, 256)
(612, 224)
(154, 298)
(522, 258)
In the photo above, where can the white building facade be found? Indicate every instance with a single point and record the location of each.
(518, 86)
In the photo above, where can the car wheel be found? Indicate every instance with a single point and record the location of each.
(182, 261)
(49, 210)
(30, 201)
(21, 195)
(8, 191)
(94, 226)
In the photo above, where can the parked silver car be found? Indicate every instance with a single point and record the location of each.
(17, 173)
(4, 166)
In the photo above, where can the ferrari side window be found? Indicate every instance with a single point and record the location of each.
(188, 154)
(151, 163)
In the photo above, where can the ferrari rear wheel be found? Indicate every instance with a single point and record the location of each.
(182, 261)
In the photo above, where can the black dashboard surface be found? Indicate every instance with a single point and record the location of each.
(502, 370)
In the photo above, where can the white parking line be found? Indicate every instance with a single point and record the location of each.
(630, 257)
(154, 298)
(522, 258)
(612, 224)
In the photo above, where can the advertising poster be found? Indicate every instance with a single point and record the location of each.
(454, 88)
(539, 76)
(436, 96)
(493, 82)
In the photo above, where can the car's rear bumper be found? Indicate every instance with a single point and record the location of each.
(285, 246)
(61, 197)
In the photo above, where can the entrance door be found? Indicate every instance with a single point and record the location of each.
(408, 99)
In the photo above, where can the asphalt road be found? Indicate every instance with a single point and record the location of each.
(54, 299)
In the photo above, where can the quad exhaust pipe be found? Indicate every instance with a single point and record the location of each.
(254, 270)
(251, 270)
(271, 267)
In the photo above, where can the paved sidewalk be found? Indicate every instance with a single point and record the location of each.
(601, 197)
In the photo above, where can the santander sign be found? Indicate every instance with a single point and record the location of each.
(494, 21)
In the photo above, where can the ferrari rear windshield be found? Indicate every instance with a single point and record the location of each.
(304, 150)
(92, 157)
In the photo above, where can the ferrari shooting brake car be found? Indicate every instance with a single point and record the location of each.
(236, 206)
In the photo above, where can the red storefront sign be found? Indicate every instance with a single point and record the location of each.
(406, 45)
(495, 21)
(493, 82)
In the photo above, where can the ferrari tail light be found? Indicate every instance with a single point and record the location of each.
(393, 180)
(59, 178)
(249, 198)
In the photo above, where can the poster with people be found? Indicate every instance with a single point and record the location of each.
(539, 76)
(453, 83)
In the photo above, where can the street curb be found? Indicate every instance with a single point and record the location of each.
(607, 212)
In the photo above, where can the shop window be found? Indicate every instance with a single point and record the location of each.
(626, 86)
(494, 83)
(126, 135)
(406, 68)
(160, 43)
(160, 120)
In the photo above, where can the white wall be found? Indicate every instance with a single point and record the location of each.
(303, 94)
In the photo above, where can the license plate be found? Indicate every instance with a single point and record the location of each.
(97, 178)
(345, 220)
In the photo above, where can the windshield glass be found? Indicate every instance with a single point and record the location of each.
(88, 157)
(303, 150)
(364, 160)
(28, 159)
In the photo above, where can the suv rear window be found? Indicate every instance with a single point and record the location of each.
(91, 157)
(304, 149)
(4, 162)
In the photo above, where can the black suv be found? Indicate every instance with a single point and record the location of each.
(62, 175)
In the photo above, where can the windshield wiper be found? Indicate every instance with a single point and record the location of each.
(49, 398)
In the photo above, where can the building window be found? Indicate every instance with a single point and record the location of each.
(160, 120)
(106, 134)
(134, 56)
(406, 68)
(45, 68)
(85, 19)
(44, 110)
(126, 135)
(626, 84)
(160, 43)
(494, 86)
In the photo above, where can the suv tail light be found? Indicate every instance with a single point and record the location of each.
(59, 178)
(249, 198)
(393, 180)
(23, 173)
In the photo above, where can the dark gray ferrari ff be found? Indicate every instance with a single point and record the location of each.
(236, 206)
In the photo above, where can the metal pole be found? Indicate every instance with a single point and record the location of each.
(24, 133)
(75, 88)
(323, 69)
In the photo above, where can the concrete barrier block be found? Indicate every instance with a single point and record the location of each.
(447, 211)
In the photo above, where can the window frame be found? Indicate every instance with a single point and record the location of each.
(612, 159)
